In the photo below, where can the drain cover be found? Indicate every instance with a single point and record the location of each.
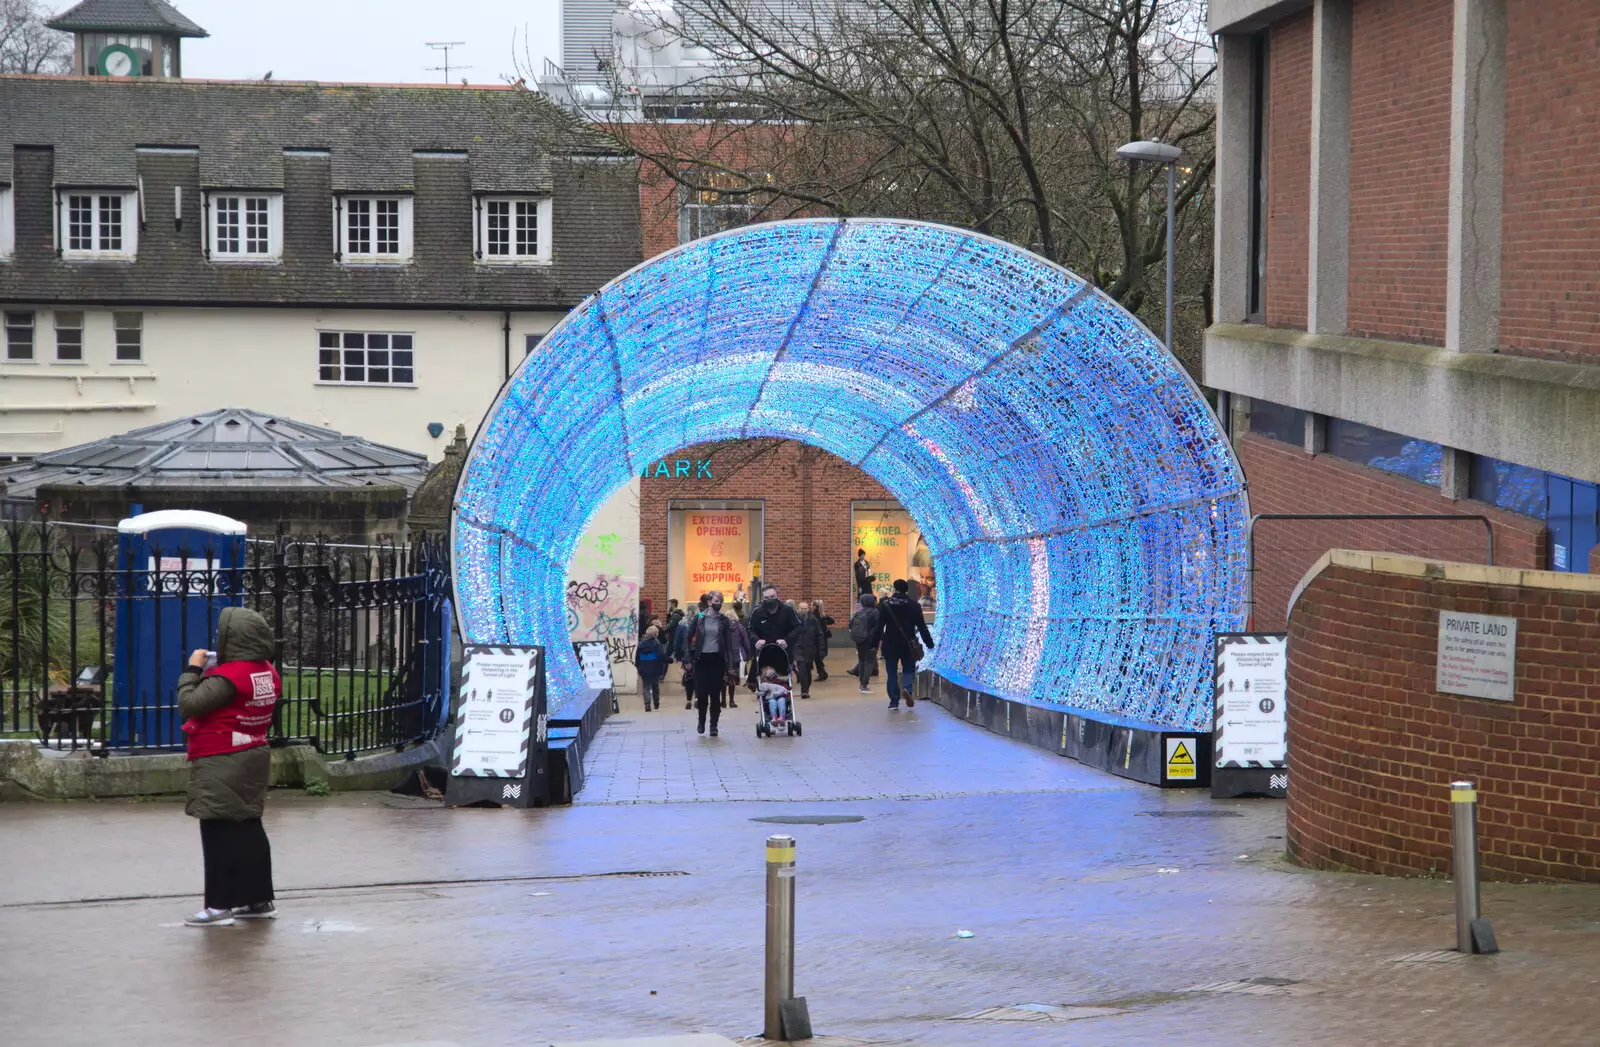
(1431, 956)
(811, 819)
(1191, 814)
(1249, 987)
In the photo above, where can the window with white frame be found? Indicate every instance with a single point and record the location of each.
(130, 336)
(365, 358)
(19, 335)
(375, 229)
(69, 337)
(99, 224)
(246, 227)
(513, 229)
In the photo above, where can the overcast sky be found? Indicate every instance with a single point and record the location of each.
(377, 40)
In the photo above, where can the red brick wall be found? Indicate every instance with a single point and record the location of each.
(1288, 171)
(1374, 747)
(1550, 292)
(1284, 479)
(807, 492)
(1399, 167)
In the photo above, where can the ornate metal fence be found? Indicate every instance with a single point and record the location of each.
(363, 637)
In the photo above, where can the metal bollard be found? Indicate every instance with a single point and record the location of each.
(780, 932)
(1464, 841)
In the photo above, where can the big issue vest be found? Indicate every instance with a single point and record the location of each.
(243, 722)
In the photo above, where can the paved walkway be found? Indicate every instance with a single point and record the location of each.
(853, 748)
(1119, 916)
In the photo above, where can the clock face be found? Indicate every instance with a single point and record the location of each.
(117, 61)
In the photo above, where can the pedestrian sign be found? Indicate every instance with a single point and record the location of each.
(1180, 759)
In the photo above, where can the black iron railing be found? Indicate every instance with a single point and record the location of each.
(362, 636)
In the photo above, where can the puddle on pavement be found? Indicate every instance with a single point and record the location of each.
(811, 819)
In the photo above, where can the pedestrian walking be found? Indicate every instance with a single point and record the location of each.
(804, 644)
(863, 569)
(866, 632)
(771, 623)
(227, 710)
(709, 644)
(827, 638)
(739, 652)
(902, 624)
(681, 651)
(651, 661)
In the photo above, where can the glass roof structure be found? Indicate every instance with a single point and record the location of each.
(1084, 508)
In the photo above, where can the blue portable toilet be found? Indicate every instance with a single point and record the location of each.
(179, 568)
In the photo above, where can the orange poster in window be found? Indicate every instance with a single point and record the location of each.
(716, 553)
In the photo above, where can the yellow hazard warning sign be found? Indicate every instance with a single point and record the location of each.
(1180, 759)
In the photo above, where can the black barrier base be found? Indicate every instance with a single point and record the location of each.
(1137, 752)
(1227, 782)
(571, 731)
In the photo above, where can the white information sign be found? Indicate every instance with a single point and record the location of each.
(1252, 700)
(1477, 655)
(596, 662)
(495, 702)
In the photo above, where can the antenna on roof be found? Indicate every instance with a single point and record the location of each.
(445, 46)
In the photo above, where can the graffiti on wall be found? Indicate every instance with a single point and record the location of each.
(602, 605)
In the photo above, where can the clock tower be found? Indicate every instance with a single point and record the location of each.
(126, 37)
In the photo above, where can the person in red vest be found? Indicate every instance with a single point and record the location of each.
(227, 710)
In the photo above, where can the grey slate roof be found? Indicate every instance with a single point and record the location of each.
(230, 448)
(129, 16)
(312, 141)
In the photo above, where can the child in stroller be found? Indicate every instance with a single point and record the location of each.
(774, 698)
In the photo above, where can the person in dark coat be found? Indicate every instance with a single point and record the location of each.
(710, 644)
(680, 648)
(827, 624)
(902, 622)
(227, 710)
(773, 622)
(863, 570)
(805, 643)
(651, 661)
(866, 632)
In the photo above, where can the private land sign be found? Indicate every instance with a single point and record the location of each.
(1477, 656)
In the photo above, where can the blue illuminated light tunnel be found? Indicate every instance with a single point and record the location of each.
(1085, 512)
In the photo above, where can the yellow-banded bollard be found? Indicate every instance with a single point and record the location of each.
(780, 932)
(1473, 933)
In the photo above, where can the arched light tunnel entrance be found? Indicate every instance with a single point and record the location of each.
(1084, 509)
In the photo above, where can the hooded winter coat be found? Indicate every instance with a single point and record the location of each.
(231, 786)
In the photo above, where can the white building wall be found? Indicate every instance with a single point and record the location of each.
(197, 360)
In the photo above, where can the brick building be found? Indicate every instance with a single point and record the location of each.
(720, 515)
(1408, 275)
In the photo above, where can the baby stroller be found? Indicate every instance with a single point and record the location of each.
(777, 659)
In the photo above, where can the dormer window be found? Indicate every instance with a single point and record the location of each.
(375, 229)
(246, 226)
(99, 224)
(513, 229)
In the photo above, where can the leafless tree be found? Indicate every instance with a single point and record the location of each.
(1002, 116)
(26, 46)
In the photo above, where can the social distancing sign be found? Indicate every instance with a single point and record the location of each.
(1181, 764)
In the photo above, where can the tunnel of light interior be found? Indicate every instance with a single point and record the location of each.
(1084, 508)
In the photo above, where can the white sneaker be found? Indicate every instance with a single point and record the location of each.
(210, 918)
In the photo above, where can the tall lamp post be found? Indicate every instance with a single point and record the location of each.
(1161, 153)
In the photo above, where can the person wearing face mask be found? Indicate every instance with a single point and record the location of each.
(772, 623)
(681, 651)
(710, 644)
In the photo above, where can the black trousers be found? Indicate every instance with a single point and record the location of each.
(238, 862)
(708, 672)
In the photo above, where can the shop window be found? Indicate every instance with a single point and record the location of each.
(1414, 459)
(714, 545)
(1287, 424)
(894, 549)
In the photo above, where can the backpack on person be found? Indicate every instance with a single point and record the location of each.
(864, 625)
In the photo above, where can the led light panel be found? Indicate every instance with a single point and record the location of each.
(1085, 512)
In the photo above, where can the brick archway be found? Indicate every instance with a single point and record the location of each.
(1085, 511)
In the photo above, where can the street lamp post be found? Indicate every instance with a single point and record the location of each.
(1161, 153)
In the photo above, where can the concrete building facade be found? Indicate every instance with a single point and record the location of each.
(1408, 271)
